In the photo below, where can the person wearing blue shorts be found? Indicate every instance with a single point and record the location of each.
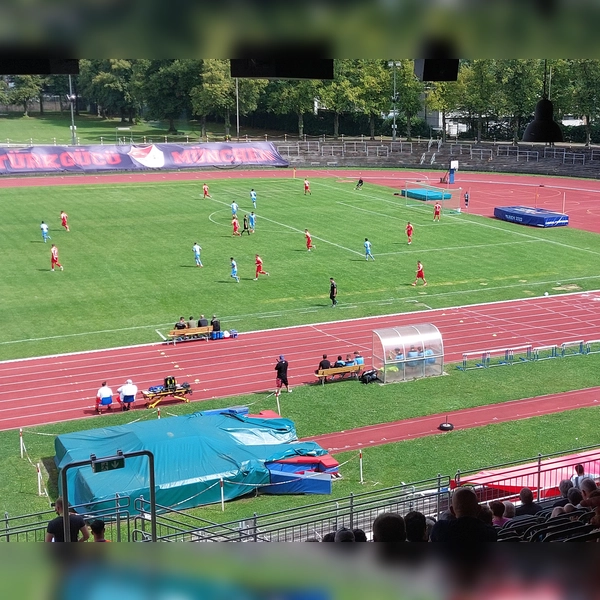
(368, 249)
(252, 221)
(196, 248)
(234, 270)
(253, 197)
(234, 208)
(44, 229)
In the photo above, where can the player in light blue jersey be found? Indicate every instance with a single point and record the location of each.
(44, 228)
(234, 270)
(253, 197)
(234, 208)
(196, 248)
(368, 249)
(252, 221)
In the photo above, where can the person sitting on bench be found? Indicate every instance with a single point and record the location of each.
(202, 321)
(127, 393)
(324, 364)
(358, 359)
(192, 323)
(103, 397)
(216, 324)
(181, 324)
(350, 362)
(339, 362)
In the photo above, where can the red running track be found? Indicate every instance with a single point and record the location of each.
(397, 431)
(52, 389)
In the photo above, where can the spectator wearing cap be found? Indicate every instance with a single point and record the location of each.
(127, 393)
(281, 367)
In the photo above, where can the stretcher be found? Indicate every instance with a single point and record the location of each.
(170, 389)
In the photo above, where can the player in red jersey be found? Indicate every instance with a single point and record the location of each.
(236, 226)
(420, 274)
(309, 244)
(64, 217)
(54, 258)
(205, 191)
(409, 232)
(307, 187)
(437, 211)
(259, 267)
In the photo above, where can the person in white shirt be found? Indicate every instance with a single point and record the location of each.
(234, 208)
(103, 397)
(127, 393)
(44, 229)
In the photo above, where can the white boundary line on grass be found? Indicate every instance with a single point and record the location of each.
(404, 299)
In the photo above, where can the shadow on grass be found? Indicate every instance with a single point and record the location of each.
(50, 466)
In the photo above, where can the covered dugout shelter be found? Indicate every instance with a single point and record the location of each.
(408, 352)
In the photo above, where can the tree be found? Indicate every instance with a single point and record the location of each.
(341, 94)
(167, 88)
(410, 92)
(373, 84)
(297, 97)
(444, 96)
(217, 93)
(26, 88)
(586, 92)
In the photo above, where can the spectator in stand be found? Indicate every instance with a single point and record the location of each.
(498, 509)
(329, 537)
(563, 487)
(579, 475)
(466, 527)
(181, 324)
(324, 364)
(485, 515)
(56, 527)
(587, 486)
(359, 535)
(344, 535)
(389, 527)
(416, 527)
(528, 506)
(593, 502)
(574, 496)
(509, 509)
(192, 323)
(98, 527)
(202, 321)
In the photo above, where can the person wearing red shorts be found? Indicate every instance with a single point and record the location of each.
(64, 217)
(409, 232)
(236, 226)
(54, 258)
(259, 267)
(437, 210)
(309, 244)
(205, 191)
(420, 274)
(307, 187)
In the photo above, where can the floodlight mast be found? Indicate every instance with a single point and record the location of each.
(72, 100)
(394, 64)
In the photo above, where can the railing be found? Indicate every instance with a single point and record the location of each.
(518, 153)
(481, 153)
(574, 158)
(460, 149)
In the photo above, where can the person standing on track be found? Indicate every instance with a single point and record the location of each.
(197, 249)
(409, 232)
(437, 211)
(368, 249)
(64, 218)
(54, 258)
(309, 244)
(253, 197)
(466, 200)
(307, 187)
(205, 191)
(234, 270)
(282, 374)
(420, 274)
(333, 292)
(259, 267)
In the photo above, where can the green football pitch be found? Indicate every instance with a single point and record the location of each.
(129, 268)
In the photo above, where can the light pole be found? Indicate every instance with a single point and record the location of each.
(237, 107)
(72, 99)
(394, 64)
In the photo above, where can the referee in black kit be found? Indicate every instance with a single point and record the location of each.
(333, 291)
(282, 378)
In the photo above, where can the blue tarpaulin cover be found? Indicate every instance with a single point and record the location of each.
(192, 453)
(535, 217)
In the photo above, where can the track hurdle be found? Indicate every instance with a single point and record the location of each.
(575, 348)
(545, 352)
(592, 347)
(474, 360)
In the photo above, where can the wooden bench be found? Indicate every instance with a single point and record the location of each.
(352, 371)
(191, 333)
